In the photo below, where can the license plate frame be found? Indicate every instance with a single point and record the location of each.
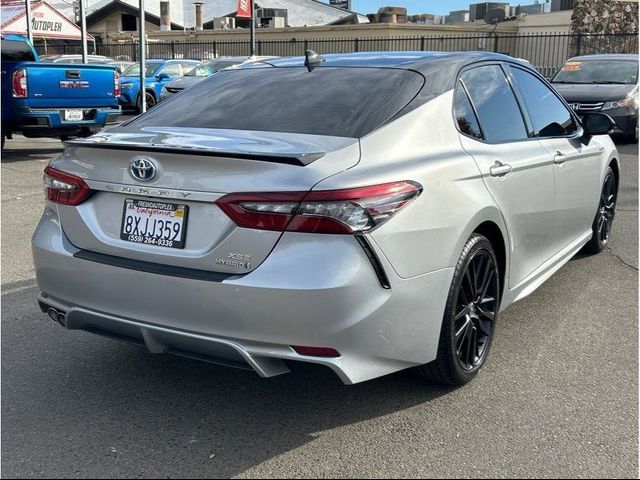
(73, 115)
(148, 211)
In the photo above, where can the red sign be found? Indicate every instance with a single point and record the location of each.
(244, 9)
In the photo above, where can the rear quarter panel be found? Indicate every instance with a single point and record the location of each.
(424, 146)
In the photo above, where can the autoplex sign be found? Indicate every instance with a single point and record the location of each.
(46, 22)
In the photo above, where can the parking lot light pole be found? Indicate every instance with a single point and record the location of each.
(253, 28)
(27, 4)
(83, 33)
(143, 99)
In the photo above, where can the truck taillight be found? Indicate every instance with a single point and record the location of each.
(19, 83)
(64, 188)
(347, 211)
(116, 84)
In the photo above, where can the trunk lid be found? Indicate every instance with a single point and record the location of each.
(194, 167)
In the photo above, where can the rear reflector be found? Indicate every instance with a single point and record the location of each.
(64, 188)
(347, 211)
(316, 351)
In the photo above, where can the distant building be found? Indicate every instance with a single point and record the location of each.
(477, 11)
(532, 9)
(457, 16)
(343, 4)
(427, 19)
(558, 5)
(389, 15)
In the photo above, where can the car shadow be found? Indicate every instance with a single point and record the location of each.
(187, 416)
(13, 155)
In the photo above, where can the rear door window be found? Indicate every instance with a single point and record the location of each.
(16, 52)
(498, 110)
(335, 101)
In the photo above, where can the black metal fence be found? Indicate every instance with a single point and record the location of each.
(546, 51)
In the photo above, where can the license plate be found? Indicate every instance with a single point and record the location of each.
(154, 223)
(73, 115)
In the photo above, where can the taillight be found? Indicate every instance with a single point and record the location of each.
(316, 351)
(19, 83)
(352, 210)
(116, 84)
(64, 188)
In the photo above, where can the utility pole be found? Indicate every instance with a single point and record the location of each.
(253, 28)
(28, 10)
(143, 48)
(83, 27)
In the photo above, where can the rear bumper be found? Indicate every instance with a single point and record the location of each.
(308, 292)
(50, 121)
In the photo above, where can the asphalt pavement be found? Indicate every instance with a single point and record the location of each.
(558, 397)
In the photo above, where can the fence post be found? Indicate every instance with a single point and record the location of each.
(259, 47)
(306, 44)
(173, 50)
(356, 44)
(495, 43)
(422, 43)
(578, 42)
(215, 50)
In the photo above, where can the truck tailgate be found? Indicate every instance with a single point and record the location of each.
(70, 85)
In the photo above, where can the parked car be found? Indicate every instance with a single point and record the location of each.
(205, 69)
(157, 73)
(603, 83)
(121, 65)
(75, 58)
(375, 213)
(54, 99)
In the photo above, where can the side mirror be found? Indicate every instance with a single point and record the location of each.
(596, 124)
(162, 76)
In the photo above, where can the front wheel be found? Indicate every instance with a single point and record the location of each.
(469, 317)
(150, 100)
(602, 224)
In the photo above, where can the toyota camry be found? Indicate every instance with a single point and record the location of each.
(370, 213)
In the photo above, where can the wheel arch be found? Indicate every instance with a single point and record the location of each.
(492, 232)
(613, 163)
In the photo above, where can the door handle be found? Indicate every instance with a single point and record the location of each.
(559, 158)
(499, 169)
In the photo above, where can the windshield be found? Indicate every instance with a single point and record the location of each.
(335, 101)
(134, 70)
(598, 71)
(16, 51)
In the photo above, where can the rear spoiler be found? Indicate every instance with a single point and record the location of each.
(297, 159)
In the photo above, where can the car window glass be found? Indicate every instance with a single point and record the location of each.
(495, 103)
(171, 69)
(187, 67)
(337, 101)
(16, 52)
(549, 116)
(465, 117)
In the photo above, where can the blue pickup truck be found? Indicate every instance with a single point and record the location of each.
(54, 99)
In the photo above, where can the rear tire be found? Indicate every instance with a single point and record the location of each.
(469, 317)
(602, 224)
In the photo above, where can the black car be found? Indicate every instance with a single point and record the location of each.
(603, 83)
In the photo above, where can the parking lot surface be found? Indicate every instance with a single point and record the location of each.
(557, 398)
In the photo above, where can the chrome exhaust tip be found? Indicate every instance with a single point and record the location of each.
(57, 316)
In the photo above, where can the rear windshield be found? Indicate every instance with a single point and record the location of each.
(336, 101)
(16, 52)
(598, 71)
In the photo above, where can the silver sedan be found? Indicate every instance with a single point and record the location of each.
(367, 212)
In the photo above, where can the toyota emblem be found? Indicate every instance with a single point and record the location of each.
(142, 169)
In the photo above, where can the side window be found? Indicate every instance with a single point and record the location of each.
(549, 116)
(171, 69)
(463, 111)
(495, 103)
(187, 67)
